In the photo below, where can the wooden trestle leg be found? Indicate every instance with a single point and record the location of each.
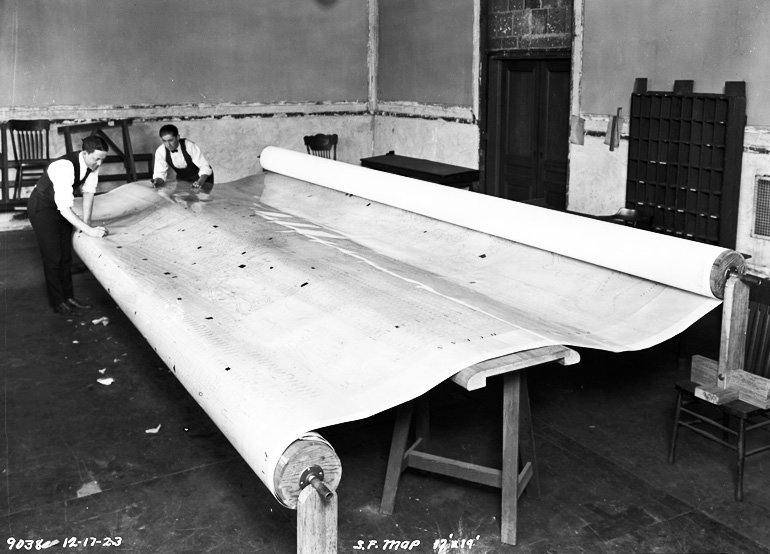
(316, 522)
(517, 431)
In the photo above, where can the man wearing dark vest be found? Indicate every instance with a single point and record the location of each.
(184, 157)
(52, 217)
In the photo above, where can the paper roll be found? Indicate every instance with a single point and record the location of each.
(684, 264)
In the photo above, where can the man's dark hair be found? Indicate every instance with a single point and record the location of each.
(169, 129)
(94, 142)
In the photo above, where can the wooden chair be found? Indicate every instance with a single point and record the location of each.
(31, 152)
(628, 217)
(4, 161)
(715, 421)
(624, 216)
(322, 145)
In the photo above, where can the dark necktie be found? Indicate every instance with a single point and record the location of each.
(88, 172)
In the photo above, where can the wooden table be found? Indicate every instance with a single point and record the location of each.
(123, 155)
(515, 413)
(425, 170)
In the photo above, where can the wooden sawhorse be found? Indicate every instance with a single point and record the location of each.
(515, 413)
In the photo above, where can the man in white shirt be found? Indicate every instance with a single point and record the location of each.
(184, 157)
(50, 212)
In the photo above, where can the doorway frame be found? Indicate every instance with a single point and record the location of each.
(489, 64)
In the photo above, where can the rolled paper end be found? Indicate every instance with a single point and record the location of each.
(727, 262)
(292, 464)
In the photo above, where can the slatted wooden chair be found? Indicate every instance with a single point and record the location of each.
(322, 145)
(31, 151)
(718, 422)
(4, 162)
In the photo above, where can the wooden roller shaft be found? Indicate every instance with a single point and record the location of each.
(720, 271)
(300, 455)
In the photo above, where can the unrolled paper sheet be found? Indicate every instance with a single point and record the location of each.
(283, 306)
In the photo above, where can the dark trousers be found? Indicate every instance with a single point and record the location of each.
(54, 237)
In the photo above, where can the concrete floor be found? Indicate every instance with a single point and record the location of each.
(77, 460)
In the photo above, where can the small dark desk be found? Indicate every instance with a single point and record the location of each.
(425, 170)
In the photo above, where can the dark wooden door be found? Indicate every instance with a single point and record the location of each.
(528, 130)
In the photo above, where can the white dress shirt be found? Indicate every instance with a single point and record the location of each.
(62, 176)
(161, 167)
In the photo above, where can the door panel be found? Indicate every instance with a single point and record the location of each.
(554, 136)
(519, 125)
(528, 130)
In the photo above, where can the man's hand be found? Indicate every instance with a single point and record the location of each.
(157, 182)
(98, 231)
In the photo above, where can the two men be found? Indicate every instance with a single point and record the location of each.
(51, 202)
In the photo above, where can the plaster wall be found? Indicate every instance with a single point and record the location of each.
(439, 140)
(232, 144)
(151, 52)
(597, 183)
(708, 41)
(756, 162)
(426, 51)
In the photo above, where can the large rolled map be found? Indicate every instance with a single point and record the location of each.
(321, 292)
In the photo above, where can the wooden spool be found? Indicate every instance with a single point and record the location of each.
(720, 271)
(300, 455)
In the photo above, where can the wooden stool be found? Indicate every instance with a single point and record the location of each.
(515, 406)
